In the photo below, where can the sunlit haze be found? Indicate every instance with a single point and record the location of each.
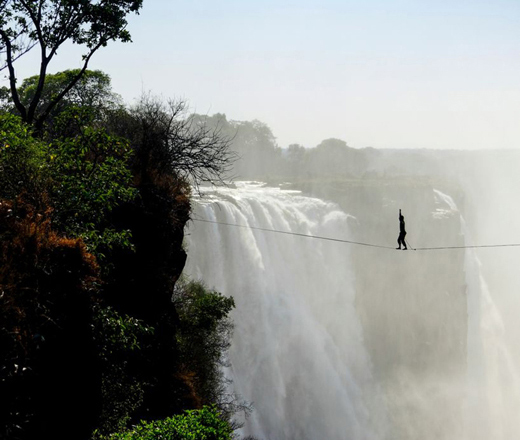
(380, 73)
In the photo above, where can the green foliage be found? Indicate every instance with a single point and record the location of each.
(93, 90)
(203, 424)
(51, 23)
(119, 207)
(82, 22)
(92, 93)
(118, 333)
(21, 160)
(201, 309)
(82, 177)
(119, 339)
(90, 178)
(203, 339)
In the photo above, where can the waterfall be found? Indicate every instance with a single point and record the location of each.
(301, 352)
(298, 353)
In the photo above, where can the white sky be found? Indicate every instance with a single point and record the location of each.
(380, 73)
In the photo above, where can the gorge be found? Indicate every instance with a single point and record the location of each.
(339, 341)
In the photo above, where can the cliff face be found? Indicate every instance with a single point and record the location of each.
(142, 286)
(64, 347)
(412, 304)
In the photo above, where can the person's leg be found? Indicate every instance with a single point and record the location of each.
(399, 241)
(404, 242)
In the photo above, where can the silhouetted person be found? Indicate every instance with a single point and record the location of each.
(402, 232)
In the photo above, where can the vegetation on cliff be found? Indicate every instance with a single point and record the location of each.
(205, 424)
(94, 196)
(91, 231)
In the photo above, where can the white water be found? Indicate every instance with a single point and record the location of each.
(298, 351)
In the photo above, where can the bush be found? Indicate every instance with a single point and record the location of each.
(90, 177)
(120, 339)
(203, 339)
(203, 424)
(81, 178)
(21, 160)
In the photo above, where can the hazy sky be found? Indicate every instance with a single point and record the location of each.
(381, 73)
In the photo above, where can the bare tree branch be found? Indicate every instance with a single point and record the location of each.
(172, 142)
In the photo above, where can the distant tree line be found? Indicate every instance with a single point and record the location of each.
(260, 157)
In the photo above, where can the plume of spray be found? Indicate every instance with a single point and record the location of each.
(493, 381)
(300, 353)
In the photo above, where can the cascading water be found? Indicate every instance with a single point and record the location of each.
(298, 353)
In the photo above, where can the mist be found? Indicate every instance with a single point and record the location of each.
(337, 340)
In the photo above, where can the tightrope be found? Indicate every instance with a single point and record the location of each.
(466, 247)
(355, 242)
(293, 233)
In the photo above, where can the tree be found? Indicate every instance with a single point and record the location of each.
(204, 337)
(93, 90)
(168, 142)
(48, 24)
(92, 96)
(89, 179)
(334, 157)
(253, 142)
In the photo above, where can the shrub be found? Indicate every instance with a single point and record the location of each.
(21, 159)
(203, 424)
(203, 338)
(90, 177)
(119, 338)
